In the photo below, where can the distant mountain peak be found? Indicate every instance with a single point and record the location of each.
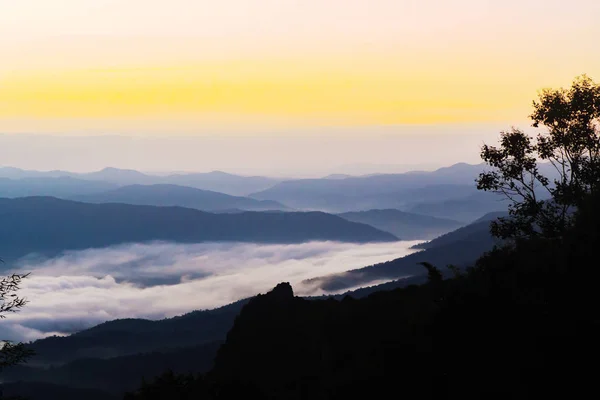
(119, 170)
(168, 194)
(337, 176)
(218, 172)
(461, 166)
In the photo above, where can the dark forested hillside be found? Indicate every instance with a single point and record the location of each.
(521, 316)
(460, 247)
(117, 375)
(46, 391)
(476, 232)
(520, 324)
(130, 336)
(48, 226)
(114, 356)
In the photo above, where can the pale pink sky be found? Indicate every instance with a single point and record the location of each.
(284, 73)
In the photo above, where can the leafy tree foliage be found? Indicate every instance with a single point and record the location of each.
(10, 302)
(570, 142)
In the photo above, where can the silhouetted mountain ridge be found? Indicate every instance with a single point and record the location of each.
(485, 333)
(460, 247)
(218, 181)
(49, 226)
(55, 186)
(182, 196)
(407, 226)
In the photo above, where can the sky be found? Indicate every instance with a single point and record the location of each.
(284, 69)
(316, 152)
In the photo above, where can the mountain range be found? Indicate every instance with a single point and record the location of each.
(182, 196)
(440, 338)
(114, 206)
(448, 193)
(63, 187)
(404, 225)
(48, 226)
(466, 209)
(235, 185)
(115, 355)
(460, 248)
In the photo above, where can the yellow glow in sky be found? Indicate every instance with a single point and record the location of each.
(344, 96)
(264, 62)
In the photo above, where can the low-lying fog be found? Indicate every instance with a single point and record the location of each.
(83, 288)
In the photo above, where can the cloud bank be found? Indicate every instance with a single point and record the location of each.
(157, 280)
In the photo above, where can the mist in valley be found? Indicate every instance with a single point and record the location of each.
(81, 289)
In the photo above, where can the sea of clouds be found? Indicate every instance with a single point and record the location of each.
(83, 288)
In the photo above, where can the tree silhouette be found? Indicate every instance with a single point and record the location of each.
(10, 302)
(433, 274)
(570, 143)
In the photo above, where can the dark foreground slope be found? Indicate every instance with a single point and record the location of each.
(48, 226)
(130, 336)
(47, 391)
(115, 356)
(476, 232)
(522, 324)
(144, 343)
(118, 375)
